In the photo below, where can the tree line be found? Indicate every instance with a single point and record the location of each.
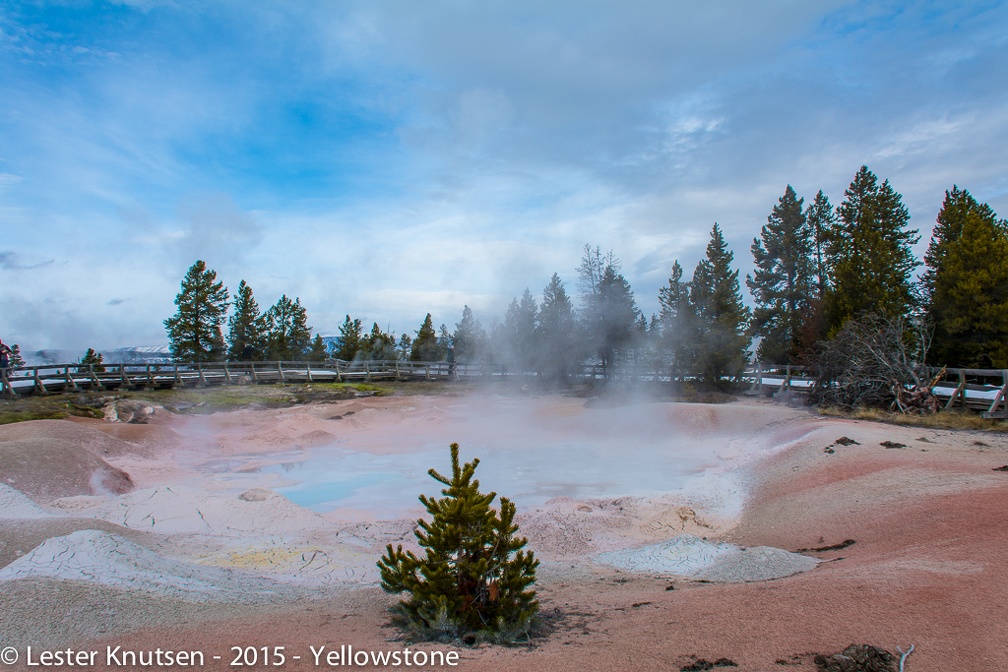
(818, 270)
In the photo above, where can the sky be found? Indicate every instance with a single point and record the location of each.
(386, 159)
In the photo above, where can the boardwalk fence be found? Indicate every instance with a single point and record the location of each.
(985, 390)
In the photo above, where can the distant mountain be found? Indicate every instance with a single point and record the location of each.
(143, 354)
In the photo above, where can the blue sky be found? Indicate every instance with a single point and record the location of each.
(389, 159)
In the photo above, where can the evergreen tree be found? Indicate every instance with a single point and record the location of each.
(959, 204)
(784, 280)
(245, 326)
(93, 359)
(426, 347)
(677, 324)
(378, 346)
(609, 313)
(821, 220)
(520, 332)
(468, 338)
(721, 317)
(288, 336)
(966, 285)
(556, 331)
(16, 360)
(870, 253)
(194, 332)
(348, 342)
(319, 351)
(475, 578)
(618, 318)
(405, 346)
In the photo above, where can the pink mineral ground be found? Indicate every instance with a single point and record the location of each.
(927, 519)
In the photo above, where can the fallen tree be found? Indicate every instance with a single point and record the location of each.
(875, 362)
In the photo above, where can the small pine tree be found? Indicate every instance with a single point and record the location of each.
(92, 358)
(474, 581)
(16, 360)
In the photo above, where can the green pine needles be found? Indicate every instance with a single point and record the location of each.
(474, 581)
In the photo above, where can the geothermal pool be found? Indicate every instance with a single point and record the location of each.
(530, 450)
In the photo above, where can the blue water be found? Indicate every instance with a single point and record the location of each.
(337, 477)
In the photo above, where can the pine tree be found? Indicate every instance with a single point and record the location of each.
(426, 347)
(520, 332)
(784, 280)
(16, 360)
(958, 205)
(870, 253)
(677, 324)
(245, 326)
(319, 351)
(821, 219)
(404, 347)
(474, 580)
(966, 284)
(556, 331)
(287, 334)
(618, 318)
(194, 332)
(468, 338)
(609, 314)
(378, 346)
(721, 316)
(93, 359)
(348, 342)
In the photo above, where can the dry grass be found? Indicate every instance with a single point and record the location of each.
(945, 419)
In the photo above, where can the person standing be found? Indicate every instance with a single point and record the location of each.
(5, 355)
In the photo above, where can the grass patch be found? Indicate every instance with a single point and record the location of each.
(954, 419)
(50, 407)
(194, 401)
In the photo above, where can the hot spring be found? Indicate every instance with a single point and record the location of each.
(531, 449)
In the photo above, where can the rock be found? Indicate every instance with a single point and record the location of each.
(255, 495)
(857, 658)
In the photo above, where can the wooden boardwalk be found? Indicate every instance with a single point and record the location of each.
(984, 390)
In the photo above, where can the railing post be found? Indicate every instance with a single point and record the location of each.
(38, 383)
(70, 381)
(367, 371)
(960, 391)
(227, 373)
(8, 389)
(255, 377)
(308, 372)
(150, 377)
(339, 376)
(202, 376)
(280, 371)
(95, 382)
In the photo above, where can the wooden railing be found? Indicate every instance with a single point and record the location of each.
(981, 389)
